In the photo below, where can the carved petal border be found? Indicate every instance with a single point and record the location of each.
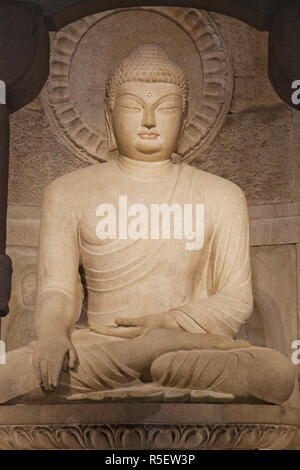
(106, 437)
(212, 104)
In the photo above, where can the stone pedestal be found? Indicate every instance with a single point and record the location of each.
(162, 426)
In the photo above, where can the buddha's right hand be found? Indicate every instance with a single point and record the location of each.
(49, 357)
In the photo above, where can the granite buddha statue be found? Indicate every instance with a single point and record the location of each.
(161, 313)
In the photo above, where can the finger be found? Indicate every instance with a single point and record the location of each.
(54, 371)
(130, 321)
(44, 374)
(37, 370)
(51, 374)
(73, 358)
(119, 331)
(133, 332)
(127, 332)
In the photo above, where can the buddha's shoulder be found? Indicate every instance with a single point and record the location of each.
(215, 187)
(78, 181)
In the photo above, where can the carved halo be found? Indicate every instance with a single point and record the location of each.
(84, 52)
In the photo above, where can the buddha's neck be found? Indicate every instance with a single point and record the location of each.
(145, 171)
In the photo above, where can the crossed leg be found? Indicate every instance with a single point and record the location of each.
(174, 358)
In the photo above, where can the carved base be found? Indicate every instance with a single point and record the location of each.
(147, 426)
(220, 436)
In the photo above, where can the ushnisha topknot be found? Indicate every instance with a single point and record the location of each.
(147, 63)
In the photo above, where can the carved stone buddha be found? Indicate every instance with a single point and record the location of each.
(163, 303)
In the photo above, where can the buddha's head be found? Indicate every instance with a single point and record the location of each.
(146, 105)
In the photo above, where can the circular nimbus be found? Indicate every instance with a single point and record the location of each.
(86, 51)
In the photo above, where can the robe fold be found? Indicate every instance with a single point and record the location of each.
(204, 291)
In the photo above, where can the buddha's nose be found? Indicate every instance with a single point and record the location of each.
(149, 120)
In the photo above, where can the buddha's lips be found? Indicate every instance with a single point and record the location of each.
(148, 135)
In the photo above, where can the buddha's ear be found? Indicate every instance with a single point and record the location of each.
(180, 140)
(112, 143)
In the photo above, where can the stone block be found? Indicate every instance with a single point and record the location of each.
(249, 51)
(36, 156)
(257, 151)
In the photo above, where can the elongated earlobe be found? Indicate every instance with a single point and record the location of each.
(180, 149)
(112, 143)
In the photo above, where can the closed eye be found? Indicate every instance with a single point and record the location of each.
(133, 108)
(168, 109)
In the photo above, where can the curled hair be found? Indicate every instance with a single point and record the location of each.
(148, 63)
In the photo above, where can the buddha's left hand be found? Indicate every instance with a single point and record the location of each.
(147, 322)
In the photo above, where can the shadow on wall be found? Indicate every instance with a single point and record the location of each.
(265, 327)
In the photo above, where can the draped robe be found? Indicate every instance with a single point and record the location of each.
(210, 288)
(204, 291)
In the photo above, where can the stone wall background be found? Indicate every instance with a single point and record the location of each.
(258, 148)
